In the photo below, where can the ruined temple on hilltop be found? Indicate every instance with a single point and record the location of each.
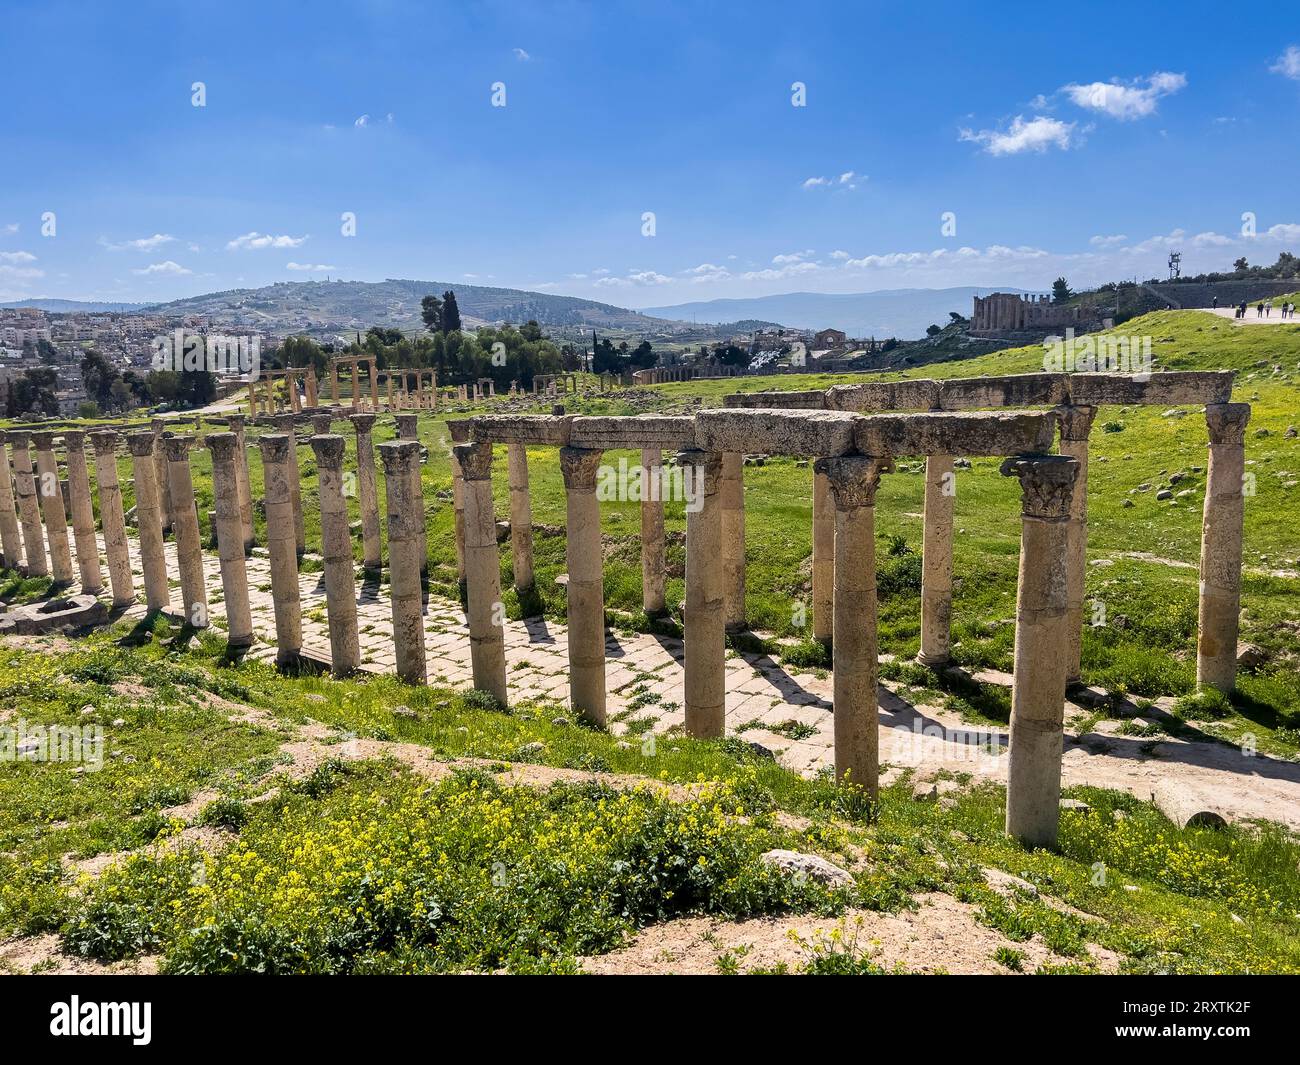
(1004, 312)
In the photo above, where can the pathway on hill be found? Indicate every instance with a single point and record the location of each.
(1274, 318)
(788, 712)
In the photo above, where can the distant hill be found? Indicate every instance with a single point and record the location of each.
(902, 312)
(395, 303)
(73, 306)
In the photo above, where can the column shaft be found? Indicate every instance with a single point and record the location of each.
(52, 508)
(704, 636)
(112, 518)
(148, 522)
(225, 448)
(823, 558)
(1221, 531)
(483, 570)
(405, 544)
(279, 461)
(367, 494)
(288, 426)
(521, 518)
(83, 513)
(1076, 424)
(653, 563)
(185, 530)
(336, 550)
(936, 562)
(236, 425)
(1038, 688)
(157, 425)
(11, 539)
(586, 589)
(731, 501)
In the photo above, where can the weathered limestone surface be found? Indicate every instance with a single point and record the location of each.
(535, 429)
(236, 425)
(185, 529)
(1014, 390)
(1221, 532)
(809, 400)
(777, 432)
(52, 508)
(664, 431)
(336, 551)
(884, 395)
(158, 427)
(401, 459)
(521, 517)
(973, 433)
(853, 480)
(367, 493)
(1173, 388)
(1076, 427)
(287, 425)
(731, 499)
(653, 562)
(704, 632)
(1038, 690)
(83, 511)
(460, 434)
(11, 539)
(823, 556)
(936, 562)
(485, 610)
(148, 521)
(112, 517)
(586, 591)
(225, 449)
(279, 460)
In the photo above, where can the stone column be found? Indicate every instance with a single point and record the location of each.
(1076, 425)
(226, 458)
(367, 495)
(111, 517)
(936, 562)
(408, 429)
(374, 385)
(336, 549)
(279, 461)
(521, 518)
(853, 480)
(823, 558)
(407, 426)
(1038, 690)
(731, 500)
(157, 426)
(185, 530)
(586, 590)
(653, 564)
(83, 512)
(311, 386)
(320, 424)
(1220, 600)
(236, 425)
(356, 385)
(286, 425)
(704, 637)
(10, 536)
(148, 521)
(405, 505)
(483, 570)
(51, 501)
(295, 399)
(334, 384)
(459, 434)
(29, 507)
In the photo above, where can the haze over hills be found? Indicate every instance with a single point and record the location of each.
(57, 306)
(901, 312)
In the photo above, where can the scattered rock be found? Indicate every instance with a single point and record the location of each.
(1078, 805)
(1164, 493)
(1250, 656)
(794, 863)
(404, 711)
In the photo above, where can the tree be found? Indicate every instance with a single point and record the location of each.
(1241, 266)
(450, 313)
(431, 312)
(1061, 290)
(33, 393)
(98, 375)
(933, 330)
(47, 352)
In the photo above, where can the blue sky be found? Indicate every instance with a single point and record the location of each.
(1062, 140)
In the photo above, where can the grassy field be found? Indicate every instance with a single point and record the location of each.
(188, 847)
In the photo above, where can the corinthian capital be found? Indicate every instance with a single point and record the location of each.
(853, 478)
(579, 466)
(1046, 484)
(1227, 422)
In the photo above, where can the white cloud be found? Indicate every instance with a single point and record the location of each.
(1126, 101)
(637, 278)
(707, 272)
(11, 227)
(1036, 135)
(794, 256)
(813, 182)
(1288, 63)
(21, 271)
(847, 180)
(17, 257)
(838, 254)
(140, 243)
(1107, 242)
(309, 266)
(167, 267)
(362, 122)
(263, 240)
(521, 55)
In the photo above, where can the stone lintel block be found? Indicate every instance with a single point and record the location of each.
(960, 433)
(811, 433)
(663, 431)
(811, 400)
(1174, 388)
(1014, 390)
(517, 429)
(921, 394)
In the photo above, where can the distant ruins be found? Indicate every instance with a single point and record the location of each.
(1010, 312)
